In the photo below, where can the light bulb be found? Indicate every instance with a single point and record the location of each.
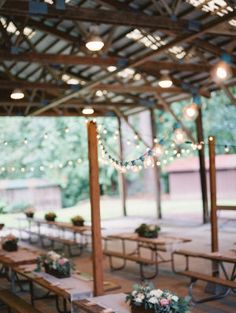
(17, 94)
(165, 80)
(221, 71)
(158, 150)
(149, 161)
(88, 110)
(179, 136)
(190, 112)
(94, 43)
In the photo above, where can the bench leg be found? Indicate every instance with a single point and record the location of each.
(64, 306)
(207, 299)
(113, 268)
(143, 276)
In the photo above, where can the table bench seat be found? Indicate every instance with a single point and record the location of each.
(16, 303)
(130, 257)
(209, 278)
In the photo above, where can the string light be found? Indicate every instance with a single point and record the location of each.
(190, 112)
(179, 136)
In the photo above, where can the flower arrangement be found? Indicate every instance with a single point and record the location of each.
(9, 243)
(77, 220)
(149, 300)
(50, 216)
(29, 212)
(54, 264)
(148, 231)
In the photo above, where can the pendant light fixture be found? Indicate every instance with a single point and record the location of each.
(17, 94)
(94, 41)
(88, 110)
(165, 80)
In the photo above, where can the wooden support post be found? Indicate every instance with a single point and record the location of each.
(203, 177)
(157, 171)
(214, 225)
(123, 191)
(95, 209)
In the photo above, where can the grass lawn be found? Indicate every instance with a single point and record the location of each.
(111, 209)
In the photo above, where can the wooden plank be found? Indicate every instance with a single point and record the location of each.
(95, 209)
(226, 207)
(112, 17)
(202, 171)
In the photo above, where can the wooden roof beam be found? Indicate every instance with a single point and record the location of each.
(112, 17)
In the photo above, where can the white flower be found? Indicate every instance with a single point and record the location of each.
(153, 300)
(156, 293)
(138, 300)
(134, 293)
(152, 227)
(140, 296)
(175, 298)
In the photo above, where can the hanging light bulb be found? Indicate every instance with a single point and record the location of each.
(17, 94)
(148, 161)
(221, 71)
(165, 80)
(190, 112)
(88, 110)
(158, 150)
(179, 136)
(94, 42)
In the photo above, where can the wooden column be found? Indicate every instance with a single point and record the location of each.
(214, 225)
(95, 209)
(157, 171)
(123, 185)
(203, 176)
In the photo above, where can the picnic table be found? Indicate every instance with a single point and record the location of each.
(64, 290)
(107, 304)
(223, 272)
(158, 248)
(55, 232)
(9, 260)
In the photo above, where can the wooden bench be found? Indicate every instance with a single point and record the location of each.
(15, 303)
(225, 284)
(66, 243)
(132, 257)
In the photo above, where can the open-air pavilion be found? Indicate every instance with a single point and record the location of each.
(126, 61)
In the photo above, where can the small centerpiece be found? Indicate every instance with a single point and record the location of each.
(148, 230)
(29, 212)
(54, 264)
(77, 220)
(144, 299)
(9, 243)
(50, 216)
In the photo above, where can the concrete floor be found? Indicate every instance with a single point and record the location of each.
(200, 235)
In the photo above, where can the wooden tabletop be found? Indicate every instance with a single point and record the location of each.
(20, 257)
(78, 285)
(107, 303)
(160, 240)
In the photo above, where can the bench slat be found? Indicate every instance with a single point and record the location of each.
(208, 256)
(130, 257)
(208, 278)
(15, 303)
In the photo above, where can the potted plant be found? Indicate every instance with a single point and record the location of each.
(9, 243)
(50, 216)
(145, 299)
(148, 230)
(77, 220)
(29, 212)
(54, 264)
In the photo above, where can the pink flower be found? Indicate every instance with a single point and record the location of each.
(164, 302)
(61, 261)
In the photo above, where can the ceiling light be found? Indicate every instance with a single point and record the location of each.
(221, 71)
(111, 68)
(88, 110)
(126, 73)
(17, 94)
(165, 80)
(94, 41)
(72, 81)
(190, 112)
